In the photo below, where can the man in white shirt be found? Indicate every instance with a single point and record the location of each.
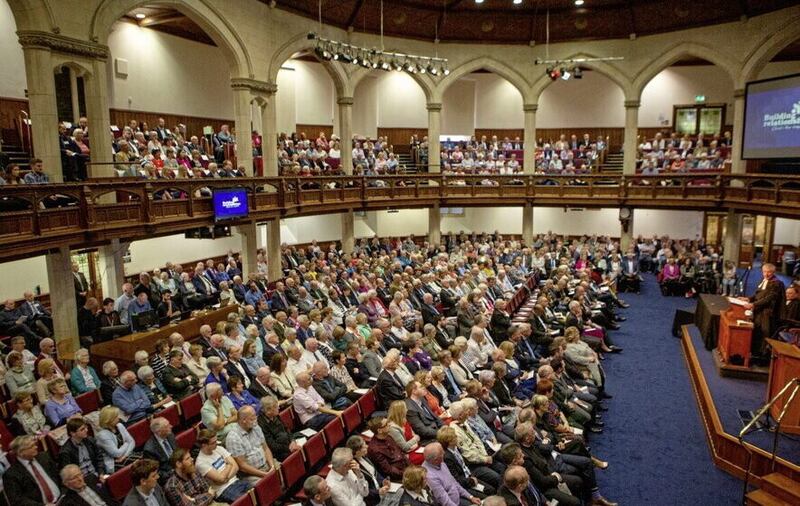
(347, 482)
(309, 405)
(219, 468)
(312, 355)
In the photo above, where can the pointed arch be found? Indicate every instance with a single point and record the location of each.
(202, 12)
(487, 63)
(423, 80)
(299, 43)
(766, 49)
(609, 70)
(675, 53)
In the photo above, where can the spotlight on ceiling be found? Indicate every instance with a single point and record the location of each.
(323, 54)
(565, 74)
(578, 3)
(432, 69)
(446, 71)
(553, 73)
(478, 1)
(577, 73)
(517, 2)
(398, 66)
(139, 15)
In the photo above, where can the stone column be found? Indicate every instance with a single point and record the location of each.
(269, 135)
(274, 270)
(249, 233)
(346, 133)
(732, 241)
(626, 234)
(434, 131)
(73, 91)
(631, 133)
(112, 267)
(244, 141)
(434, 225)
(527, 224)
(62, 300)
(529, 141)
(738, 166)
(348, 231)
(97, 113)
(42, 107)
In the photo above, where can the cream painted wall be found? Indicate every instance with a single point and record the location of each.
(366, 107)
(151, 253)
(315, 96)
(12, 78)
(777, 69)
(508, 220)
(593, 101)
(401, 101)
(23, 275)
(168, 74)
(787, 232)
(458, 108)
(286, 116)
(498, 103)
(679, 85)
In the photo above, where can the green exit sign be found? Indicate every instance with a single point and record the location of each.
(699, 98)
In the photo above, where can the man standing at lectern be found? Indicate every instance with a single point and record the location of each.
(766, 306)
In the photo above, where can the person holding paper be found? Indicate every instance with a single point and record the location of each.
(347, 482)
(766, 306)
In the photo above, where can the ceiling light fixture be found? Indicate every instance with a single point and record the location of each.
(478, 1)
(578, 3)
(140, 15)
(517, 2)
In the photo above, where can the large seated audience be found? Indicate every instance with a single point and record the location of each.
(668, 153)
(471, 388)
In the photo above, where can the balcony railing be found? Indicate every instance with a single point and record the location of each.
(34, 219)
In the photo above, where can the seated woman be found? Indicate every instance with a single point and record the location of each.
(687, 280)
(115, 443)
(153, 387)
(61, 406)
(29, 416)
(415, 489)
(591, 333)
(669, 278)
(250, 355)
(83, 378)
(282, 379)
(339, 372)
(241, 397)
(47, 373)
(582, 355)
(425, 378)
(19, 377)
(110, 382)
(402, 433)
(525, 381)
(217, 373)
(416, 359)
(198, 363)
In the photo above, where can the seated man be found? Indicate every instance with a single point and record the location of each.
(186, 482)
(131, 398)
(216, 465)
(630, 279)
(161, 445)
(82, 490)
(248, 447)
(423, 421)
(146, 490)
(309, 405)
(178, 380)
(21, 484)
(318, 491)
(81, 450)
(347, 483)
(387, 455)
(390, 386)
(13, 324)
(329, 388)
(218, 413)
(445, 488)
(278, 438)
(38, 317)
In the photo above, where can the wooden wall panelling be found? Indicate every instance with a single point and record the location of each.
(312, 131)
(615, 134)
(9, 111)
(400, 137)
(501, 133)
(194, 124)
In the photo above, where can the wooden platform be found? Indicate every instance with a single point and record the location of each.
(727, 452)
(754, 373)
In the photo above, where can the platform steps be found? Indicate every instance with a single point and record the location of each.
(612, 164)
(776, 490)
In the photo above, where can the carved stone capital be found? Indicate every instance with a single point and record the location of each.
(738, 93)
(530, 107)
(434, 106)
(344, 100)
(632, 104)
(254, 85)
(62, 44)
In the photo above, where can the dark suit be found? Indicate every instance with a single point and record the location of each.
(279, 303)
(389, 389)
(330, 389)
(135, 499)
(69, 455)
(153, 450)
(499, 324)
(767, 304)
(81, 285)
(422, 420)
(276, 435)
(232, 370)
(72, 498)
(20, 485)
(790, 312)
(511, 499)
(430, 315)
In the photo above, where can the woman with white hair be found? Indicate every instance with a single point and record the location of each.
(116, 444)
(83, 378)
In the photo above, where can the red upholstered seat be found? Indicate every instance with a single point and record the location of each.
(120, 483)
(268, 488)
(190, 408)
(293, 469)
(334, 432)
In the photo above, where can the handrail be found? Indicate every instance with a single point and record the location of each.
(35, 218)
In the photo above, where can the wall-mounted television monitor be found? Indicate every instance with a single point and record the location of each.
(230, 204)
(772, 119)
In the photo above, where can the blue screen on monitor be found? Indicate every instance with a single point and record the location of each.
(772, 119)
(230, 203)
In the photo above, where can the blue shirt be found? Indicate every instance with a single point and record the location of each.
(134, 402)
(58, 413)
(252, 298)
(36, 178)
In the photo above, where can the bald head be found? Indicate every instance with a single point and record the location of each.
(434, 454)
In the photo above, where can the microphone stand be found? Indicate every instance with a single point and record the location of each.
(764, 409)
(743, 281)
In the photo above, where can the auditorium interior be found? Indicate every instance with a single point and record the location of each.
(399, 252)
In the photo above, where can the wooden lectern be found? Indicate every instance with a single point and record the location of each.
(784, 368)
(734, 337)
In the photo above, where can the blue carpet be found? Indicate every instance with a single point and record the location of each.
(731, 395)
(653, 438)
